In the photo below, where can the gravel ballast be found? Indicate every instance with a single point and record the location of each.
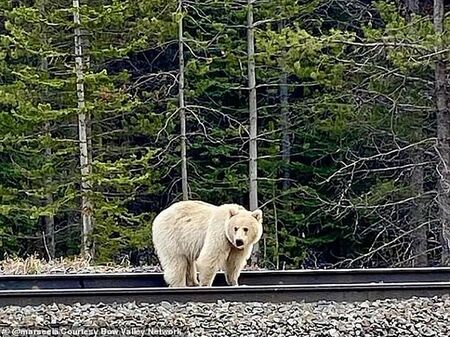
(391, 317)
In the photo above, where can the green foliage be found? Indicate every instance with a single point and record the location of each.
(359, 107)
(39, 153)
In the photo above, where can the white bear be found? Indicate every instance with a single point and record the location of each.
(191, 235)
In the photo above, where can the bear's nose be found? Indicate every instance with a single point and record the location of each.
(239, 242)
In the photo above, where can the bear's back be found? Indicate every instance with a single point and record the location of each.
(181, 228)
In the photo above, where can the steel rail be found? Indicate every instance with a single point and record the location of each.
(250, 278)
(270, 293)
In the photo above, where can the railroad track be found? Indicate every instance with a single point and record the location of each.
(266, 286)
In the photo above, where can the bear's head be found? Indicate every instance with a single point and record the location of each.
(244, 228)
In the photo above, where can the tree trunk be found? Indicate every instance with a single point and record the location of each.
(412, 6)
(49, 221)
(285, 127)
(419, 241)
(443, 124)
(253, 116)
(286, 142)
(182, 105)
(83, 118)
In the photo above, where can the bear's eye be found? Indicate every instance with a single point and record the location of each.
(235, 229)
(245, 230)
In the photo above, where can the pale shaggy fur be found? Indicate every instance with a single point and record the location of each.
(191, 235)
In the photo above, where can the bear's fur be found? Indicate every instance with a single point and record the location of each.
(191, 235)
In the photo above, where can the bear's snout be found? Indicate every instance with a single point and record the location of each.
(239, 242)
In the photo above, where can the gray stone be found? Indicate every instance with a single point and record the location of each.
(427, 317)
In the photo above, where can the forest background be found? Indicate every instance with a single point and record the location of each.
(332, 116)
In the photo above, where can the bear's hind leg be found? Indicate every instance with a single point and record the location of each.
(175, 272)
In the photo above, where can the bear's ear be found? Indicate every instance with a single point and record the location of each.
(257, 214)
(233, 212)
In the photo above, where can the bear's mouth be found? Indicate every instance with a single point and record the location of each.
(239, 244)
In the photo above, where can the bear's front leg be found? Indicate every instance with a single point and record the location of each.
(232, 280)
(210, 259)
(235, 263)
(191, 277)
(206, 272)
